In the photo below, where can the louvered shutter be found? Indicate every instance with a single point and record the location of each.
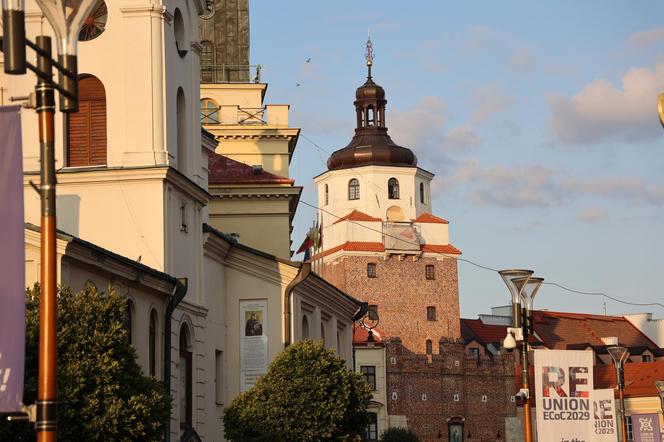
(87, 127)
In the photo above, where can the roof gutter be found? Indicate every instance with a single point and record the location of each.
(304, 272)
(179, 292)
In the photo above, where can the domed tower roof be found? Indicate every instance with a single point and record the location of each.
(371, 144)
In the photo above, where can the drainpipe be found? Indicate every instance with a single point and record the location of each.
(288, 295)
(179, 292)
(359, 314)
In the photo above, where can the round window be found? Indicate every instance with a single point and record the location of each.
(95, 24)
(178, 29)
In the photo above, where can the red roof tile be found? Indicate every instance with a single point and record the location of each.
(361, 334)
(353, 246)
(441, 248)
(557, 330)
(486, 333)
(356, 215)
(429, 218)
(224, 170)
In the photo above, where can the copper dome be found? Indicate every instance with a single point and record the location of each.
(371, 144)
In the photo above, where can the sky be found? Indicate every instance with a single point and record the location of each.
(539, 120)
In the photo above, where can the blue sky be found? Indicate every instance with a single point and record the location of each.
(538, 119)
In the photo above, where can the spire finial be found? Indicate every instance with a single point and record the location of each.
(369, 55)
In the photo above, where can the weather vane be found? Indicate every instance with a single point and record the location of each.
(369, 54)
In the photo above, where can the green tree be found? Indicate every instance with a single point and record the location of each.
(102, 394)
(399, 435)
(306, 395)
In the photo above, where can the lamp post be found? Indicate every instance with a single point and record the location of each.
(523, 288)
(66, 18)
(619, 355)
(660, 389)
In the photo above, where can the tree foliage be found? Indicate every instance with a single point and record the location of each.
(306, 395)
(102, 394)
(399, 435)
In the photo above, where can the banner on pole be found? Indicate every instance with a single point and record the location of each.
(646, 427)
(12, 262)
(604, 416)
(563, 390)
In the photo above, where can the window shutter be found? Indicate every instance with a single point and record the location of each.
(87, 127)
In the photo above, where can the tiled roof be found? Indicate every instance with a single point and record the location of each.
(353, 246)
(558, 330)
(224, 170)
(361, 334)
(429, 218)
(486, 333)
(441, 248)
(356, 215)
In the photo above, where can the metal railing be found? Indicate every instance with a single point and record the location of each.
(230, 73)
(243, 116)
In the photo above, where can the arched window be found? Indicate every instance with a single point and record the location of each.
(152, 344)
(181, 116)
(185, 387)
(86, 129)
(370, 116)
(209, 111)
(129, 319)
(327, 195)
(429, 347)
(422, 193)
(393, 189)
(305, 327)
(207, 54)
(354, 189)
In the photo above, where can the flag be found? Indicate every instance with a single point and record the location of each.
(12, 262)
(306, 244)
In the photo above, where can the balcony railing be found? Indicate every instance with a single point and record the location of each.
(230, 73)
(271, 114)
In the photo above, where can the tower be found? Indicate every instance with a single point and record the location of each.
(381, 242)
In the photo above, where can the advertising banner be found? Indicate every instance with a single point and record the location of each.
(604, 422)
(253, 342)
(12, 262)
(563, 388)
(645, 428)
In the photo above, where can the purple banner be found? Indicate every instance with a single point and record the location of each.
(646, 427)
(12, 261)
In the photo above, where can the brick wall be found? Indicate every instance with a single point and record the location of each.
(425, 389)
(402, 294)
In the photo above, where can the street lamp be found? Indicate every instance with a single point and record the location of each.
(619, 355)
(66, 18)
(660, 389)
(523, 288)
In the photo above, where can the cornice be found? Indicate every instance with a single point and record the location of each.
(215, 247)
(269, 270)
(186, 185)
(149, 10)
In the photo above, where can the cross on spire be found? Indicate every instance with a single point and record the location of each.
(369, 55)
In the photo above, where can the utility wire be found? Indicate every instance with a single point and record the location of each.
(458, 258)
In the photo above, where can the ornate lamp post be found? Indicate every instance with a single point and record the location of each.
(66, 18)
(523, 288)
(619, 355)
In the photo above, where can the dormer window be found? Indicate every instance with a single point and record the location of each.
(393, 189)
(354, 189)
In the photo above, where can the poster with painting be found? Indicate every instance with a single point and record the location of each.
(253, 342)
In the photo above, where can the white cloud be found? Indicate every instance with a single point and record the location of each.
(538, 186)
(648, 37)
(489, 101)
(422, 129)
(592, 214)
(601, 111)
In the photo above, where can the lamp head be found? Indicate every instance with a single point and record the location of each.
(618, 354)
(509, 342)
(528, 288)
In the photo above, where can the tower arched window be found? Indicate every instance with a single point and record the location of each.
(209, 111)
(207, 61)
(86, 129)
(327, 195)
(393, 189)
(152, 344)
(422, 193)
(181, 116)
(353, 189)
(429, 345)
(185, 387)
(371, 117)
